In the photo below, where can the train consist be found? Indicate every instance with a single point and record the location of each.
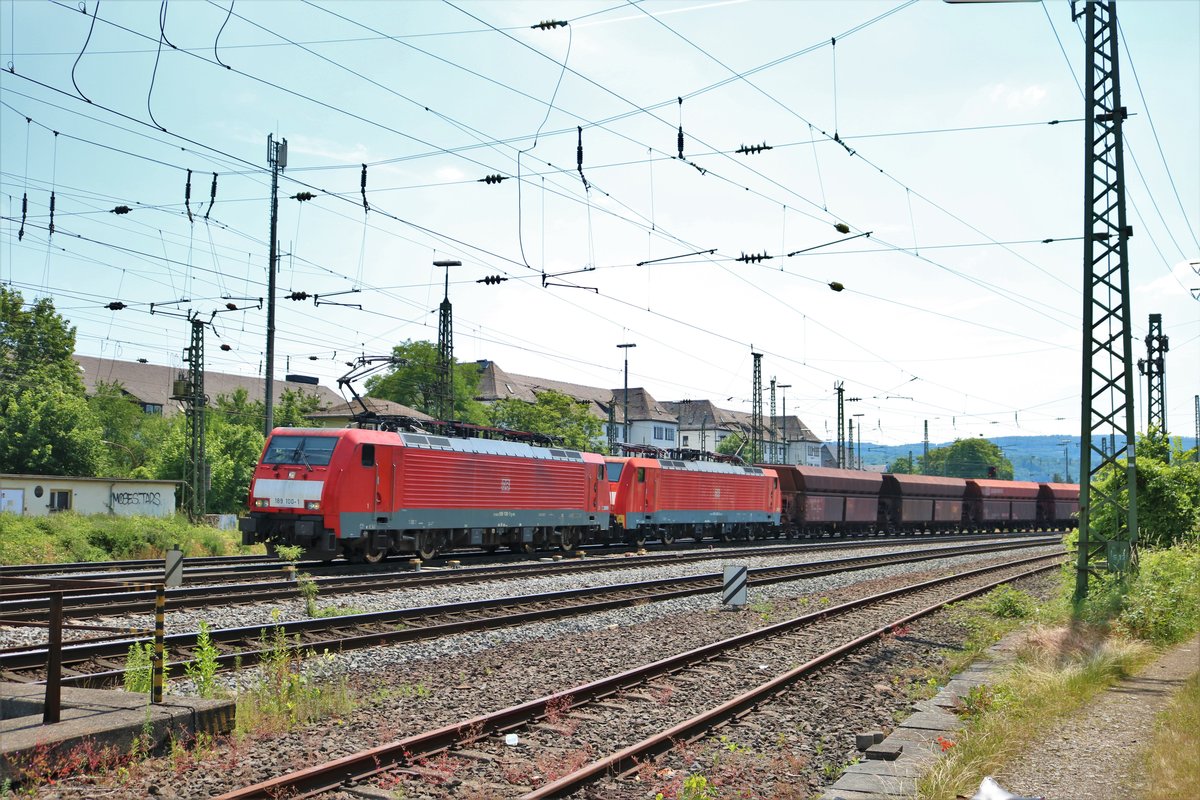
(366, 494)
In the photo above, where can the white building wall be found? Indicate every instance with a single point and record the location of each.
(41, 495)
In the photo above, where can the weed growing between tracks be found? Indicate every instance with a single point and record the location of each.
(285, 696)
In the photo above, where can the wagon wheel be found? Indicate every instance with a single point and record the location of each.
(725, 536)
(667, 537)
(568, 540)
(638, 539)
(373, 556)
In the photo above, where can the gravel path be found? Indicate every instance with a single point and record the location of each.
(1074, 763)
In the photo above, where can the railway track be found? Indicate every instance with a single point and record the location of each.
(652, 706)
(100, 663)
(30, 603)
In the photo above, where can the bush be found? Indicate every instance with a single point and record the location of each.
(1162, 602)
(70, 537)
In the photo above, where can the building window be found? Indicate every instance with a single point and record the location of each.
(658, 432)
(60, 500)
(685, 441)
(152, 408)
(670, 434)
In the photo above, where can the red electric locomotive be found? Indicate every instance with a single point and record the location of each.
(666, 498)
(366, 494)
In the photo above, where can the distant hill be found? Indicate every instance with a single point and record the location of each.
(1034, 458)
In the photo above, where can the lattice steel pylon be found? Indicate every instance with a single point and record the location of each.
(756, 411)
(1154, 367)
(841, 424)
(444, 400)
(774, 458)
(1107, 396)
(197, 477)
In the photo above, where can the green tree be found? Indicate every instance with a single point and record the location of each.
(49, 431)
(968, 458)
(902, 466)
(413, 382)
(1168, 493)
(554, 414)
(735, 444)
(36, 346)
(232, 446)
(46, 426)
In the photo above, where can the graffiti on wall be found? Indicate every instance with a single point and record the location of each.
(137, 498)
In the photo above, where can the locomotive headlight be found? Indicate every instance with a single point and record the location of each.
(260, 502)
(312, 505)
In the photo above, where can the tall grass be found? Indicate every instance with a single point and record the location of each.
(1170, 773)
(69, 537)
(1071, 655)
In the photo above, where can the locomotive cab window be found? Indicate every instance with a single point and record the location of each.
(368, 455)
(641, 474)
(307, 451)
(614, 471)
(600, 472)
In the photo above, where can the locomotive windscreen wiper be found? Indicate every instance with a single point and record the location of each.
(298, 455)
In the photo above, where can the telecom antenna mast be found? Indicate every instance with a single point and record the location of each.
(1107, 396)
(1154, 367)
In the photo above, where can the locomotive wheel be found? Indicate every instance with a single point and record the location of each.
(426, 551)
(373, 556)
(638, 540)
(667, 537)
(725, 536)
(567, 541)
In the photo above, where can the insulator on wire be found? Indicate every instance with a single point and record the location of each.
(24, 209)
(841, 227)
(116, 305)
(549, 24)
(121, 210)
(231, 307)
(836, 286)
(297, 296)
(187, 196)
(51, 213)
(579, 158)
(226, 348)
(753, 258)
(491, 179)
(754, 149)
(363, 189)
(679, 142)
(303, 196)
(212, 196)
(491, 280)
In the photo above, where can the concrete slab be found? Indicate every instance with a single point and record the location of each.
(939, 721)
(98, 718)
(900, 768)
(876, 784)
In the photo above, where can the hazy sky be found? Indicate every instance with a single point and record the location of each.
(954, 308)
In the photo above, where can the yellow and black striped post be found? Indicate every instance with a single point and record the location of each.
(160, 632)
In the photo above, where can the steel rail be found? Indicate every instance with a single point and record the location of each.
(83, 603)
(430, 622)
(367, 763)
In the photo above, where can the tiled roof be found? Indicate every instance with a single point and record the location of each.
(151, 383)
(376, 404)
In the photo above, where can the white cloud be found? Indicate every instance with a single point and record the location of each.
(1017, 98)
